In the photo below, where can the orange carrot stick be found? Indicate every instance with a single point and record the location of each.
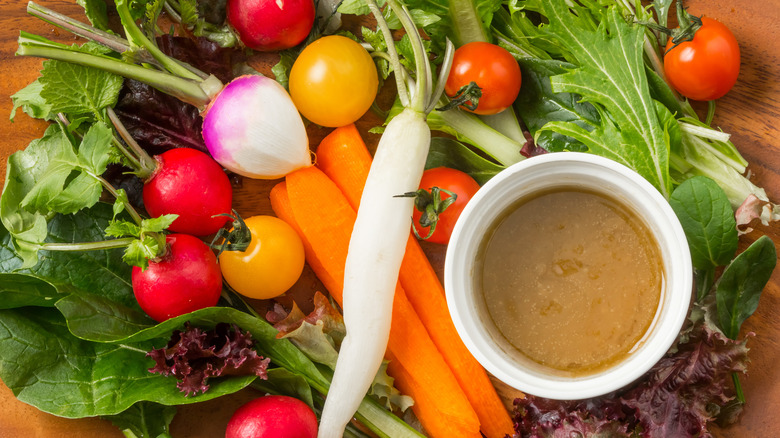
(280, 203)
(343, 156)
(324, 218)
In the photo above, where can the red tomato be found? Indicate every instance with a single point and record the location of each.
(492, 68)
(707, 67)
(454, 181)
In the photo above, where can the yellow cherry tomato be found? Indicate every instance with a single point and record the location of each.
(334, 81)
(271, 264)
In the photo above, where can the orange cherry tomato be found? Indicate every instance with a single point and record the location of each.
(271, 264)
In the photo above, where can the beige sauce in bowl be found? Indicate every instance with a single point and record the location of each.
(571, 279)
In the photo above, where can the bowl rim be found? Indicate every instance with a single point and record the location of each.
(662, 335)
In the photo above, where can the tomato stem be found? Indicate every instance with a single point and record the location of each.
(466, 96)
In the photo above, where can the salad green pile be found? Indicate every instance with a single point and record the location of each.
(74, 343)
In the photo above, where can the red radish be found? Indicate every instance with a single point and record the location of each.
(186, 278)
(269, 25)
(189, 183)
(273, 416)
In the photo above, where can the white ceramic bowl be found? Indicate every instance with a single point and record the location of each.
(541, 173)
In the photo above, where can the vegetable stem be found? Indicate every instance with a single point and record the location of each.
(184, 89)
(87, 246)
(467, 26)
(146, 164)
(738, 388)
(703, 132)
(395, 62)
(78, 28)
(130, 209)
(137, 37)
(502, 148)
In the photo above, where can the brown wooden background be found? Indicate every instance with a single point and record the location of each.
(750, 112)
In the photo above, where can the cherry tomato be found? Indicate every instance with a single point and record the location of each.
(271, 264)
(492, 68)
(334, 81)
(454, 181)
(707, 67)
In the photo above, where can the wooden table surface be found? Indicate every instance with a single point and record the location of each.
(750, 112)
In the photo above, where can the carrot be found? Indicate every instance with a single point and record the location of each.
(322, 214)
(280, 203)
(343, 156)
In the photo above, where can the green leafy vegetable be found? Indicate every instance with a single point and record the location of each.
(537, 105)
(18, 290)
(739, 288)
(149, 240)
(30, 100)
(446, 152)
(609, 74)
(77, 90)
(76, 272)
(96, 12)
(46, 366)
(71, 180)
(708, 221)
(144, 419)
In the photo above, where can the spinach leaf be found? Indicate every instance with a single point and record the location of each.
(739, 288)
(610, 74)
(101, 272)
(145, 420)
(46, 366)
(446, 152)
(708, 221)
(281, 351)
(18, 290)
(100, 319)
(537, 105)
(282, 381)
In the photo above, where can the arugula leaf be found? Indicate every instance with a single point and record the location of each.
(71, 180)
(30, 101)
(739, 288)
(46, 366)
(18, 290)
(708, 221)
(610, 74)
(77, 90)
(145, 420)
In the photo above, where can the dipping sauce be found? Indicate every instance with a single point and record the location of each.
(571, 279)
